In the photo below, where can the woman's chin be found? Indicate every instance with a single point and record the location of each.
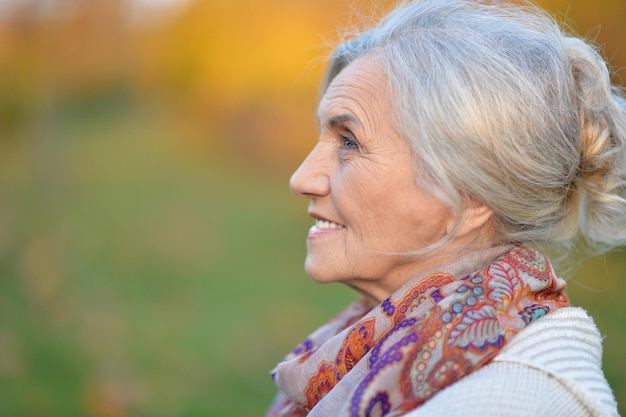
(320, 271)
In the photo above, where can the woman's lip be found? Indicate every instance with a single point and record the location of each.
(315, 232)
(316, 216)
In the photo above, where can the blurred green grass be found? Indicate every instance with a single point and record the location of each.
(144, 274)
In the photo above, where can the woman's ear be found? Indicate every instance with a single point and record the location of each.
(475, 215)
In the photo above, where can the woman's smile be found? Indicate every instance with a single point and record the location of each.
(324, 228)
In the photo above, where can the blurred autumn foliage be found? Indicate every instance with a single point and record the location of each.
(241, 66)
(150, 251)
(230, 66)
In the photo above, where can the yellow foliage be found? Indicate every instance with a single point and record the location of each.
(240, 66)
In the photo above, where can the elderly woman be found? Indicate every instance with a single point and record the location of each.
(452, 135)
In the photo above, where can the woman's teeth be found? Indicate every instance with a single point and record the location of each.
(323, 224)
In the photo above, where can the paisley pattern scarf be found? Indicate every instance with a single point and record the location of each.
(388, 359)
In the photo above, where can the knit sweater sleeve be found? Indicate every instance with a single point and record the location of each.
(551, 368)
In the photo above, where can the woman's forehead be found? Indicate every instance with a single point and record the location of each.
(362, 83)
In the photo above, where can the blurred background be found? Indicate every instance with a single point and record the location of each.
(151, 254)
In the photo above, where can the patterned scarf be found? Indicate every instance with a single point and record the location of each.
(388, 359)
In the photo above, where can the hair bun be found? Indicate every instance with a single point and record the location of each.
(601, 176)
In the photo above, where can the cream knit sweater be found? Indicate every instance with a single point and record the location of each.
(551, 368)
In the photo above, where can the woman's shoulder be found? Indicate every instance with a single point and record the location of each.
(567, 333)
(551, 368)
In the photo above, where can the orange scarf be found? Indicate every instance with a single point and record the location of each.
(389, 359)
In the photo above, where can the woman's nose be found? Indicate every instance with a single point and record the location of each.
(311, 179)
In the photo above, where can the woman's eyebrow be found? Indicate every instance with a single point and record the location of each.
(339, 119)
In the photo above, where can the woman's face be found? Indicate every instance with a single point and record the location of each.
(364, 195)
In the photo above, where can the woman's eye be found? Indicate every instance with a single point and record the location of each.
(349, 143)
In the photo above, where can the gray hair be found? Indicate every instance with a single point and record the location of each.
(499, 104)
